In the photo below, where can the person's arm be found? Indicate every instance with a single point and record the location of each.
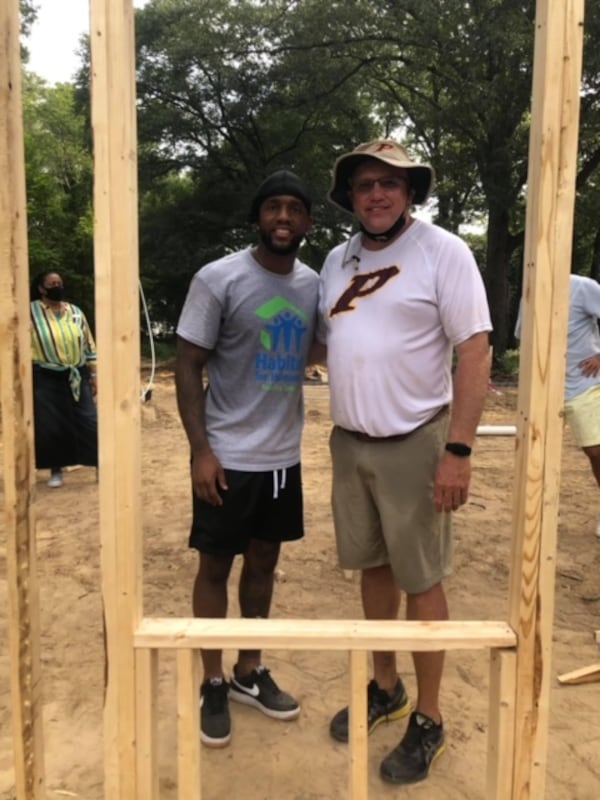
(471, 382)
(91, 356)
(208, 476)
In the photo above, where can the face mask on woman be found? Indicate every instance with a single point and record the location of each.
(55, 293)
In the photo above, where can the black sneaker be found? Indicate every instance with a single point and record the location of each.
(215, 723)
(411, 760)
(381, 707)
(258, 689)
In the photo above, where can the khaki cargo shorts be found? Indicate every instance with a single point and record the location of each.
(382, 499)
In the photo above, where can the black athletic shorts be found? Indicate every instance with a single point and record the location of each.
(257, 505)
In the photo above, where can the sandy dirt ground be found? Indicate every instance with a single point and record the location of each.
(271, 760)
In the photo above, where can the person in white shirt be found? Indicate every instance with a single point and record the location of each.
(582, 379)
(396, 301)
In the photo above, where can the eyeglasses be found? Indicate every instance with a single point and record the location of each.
(385, 184)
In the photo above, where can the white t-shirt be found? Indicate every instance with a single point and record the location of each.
(391, 319)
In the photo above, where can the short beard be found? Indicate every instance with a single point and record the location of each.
(280, 250)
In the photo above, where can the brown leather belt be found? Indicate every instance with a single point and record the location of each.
(396, 437)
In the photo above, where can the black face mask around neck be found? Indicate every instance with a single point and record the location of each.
(386, 235)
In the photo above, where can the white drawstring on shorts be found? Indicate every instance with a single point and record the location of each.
(278, 484)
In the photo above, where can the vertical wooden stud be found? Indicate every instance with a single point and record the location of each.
(188, 725)
(501, 731)
(17, 428)
(359, 770)
(118, 335)
(548, 242)
(146, 673)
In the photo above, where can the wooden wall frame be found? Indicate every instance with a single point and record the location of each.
(520, 649)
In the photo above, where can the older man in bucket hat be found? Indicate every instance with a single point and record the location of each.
(397, 299)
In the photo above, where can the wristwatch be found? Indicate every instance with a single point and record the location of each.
(458, 449)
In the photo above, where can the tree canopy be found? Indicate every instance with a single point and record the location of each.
(59, 187)
(230, 91)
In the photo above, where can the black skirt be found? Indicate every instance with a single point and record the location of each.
(66, 430)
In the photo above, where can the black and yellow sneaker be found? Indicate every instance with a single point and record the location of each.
(411, 760)
(381, 707)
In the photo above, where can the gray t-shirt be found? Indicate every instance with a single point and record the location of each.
(259, 327)
(583, 337)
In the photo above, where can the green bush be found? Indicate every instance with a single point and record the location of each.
(508, 364)
(164, 349)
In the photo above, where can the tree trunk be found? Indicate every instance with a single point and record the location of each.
(496, 277)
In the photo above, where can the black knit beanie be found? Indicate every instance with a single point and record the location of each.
(281, 182)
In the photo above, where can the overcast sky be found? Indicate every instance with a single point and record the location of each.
(55, 37)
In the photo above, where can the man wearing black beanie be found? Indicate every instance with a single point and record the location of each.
(282, 182)
(248, 319)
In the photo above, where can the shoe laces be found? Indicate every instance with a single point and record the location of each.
(376, 696)
(417, 733)
(264, 680)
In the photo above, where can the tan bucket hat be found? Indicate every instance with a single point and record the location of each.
(390, 152)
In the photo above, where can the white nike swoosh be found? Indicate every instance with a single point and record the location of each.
(251, 690)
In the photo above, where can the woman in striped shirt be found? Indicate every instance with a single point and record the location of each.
(64, 380)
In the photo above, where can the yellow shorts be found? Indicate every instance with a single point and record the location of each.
(583, 415)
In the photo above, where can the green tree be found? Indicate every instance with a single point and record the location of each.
(227, 94)
(457, 79)
(444, 74)
(586, 256)
(28, 11)
(230, 91)
(59, 187)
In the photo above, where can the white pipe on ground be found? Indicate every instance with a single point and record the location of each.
(496, 430)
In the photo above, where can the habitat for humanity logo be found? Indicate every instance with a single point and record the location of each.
(280, 367)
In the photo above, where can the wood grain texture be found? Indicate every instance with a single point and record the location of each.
(547, 259)
(358, 733)
(323, 634)
(17, 425)
(117, 335)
